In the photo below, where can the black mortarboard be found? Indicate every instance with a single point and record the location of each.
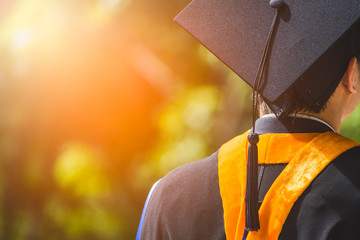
(312, 44)
(285, 50)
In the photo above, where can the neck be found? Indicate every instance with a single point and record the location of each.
(332, 118)
(329, 121)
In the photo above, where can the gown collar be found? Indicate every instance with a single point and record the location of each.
(291, 124)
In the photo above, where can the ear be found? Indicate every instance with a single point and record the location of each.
(349, 80)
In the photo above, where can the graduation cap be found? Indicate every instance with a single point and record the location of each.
(313, 41)
(285, 50)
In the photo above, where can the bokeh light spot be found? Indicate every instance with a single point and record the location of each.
(202, 105)
(79, 169)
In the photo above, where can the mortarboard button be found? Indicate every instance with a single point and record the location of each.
(276, 3)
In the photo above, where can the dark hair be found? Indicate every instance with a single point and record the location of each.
(298, 105)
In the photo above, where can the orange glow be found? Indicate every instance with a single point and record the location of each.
(98, 99)
(83, 79)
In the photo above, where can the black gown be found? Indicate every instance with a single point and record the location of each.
(186, 203)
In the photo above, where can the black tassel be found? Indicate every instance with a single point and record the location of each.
(251, 198)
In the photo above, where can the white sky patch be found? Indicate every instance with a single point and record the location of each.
(21, 39)
(109, 4)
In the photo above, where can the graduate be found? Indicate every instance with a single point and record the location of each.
(292, 176)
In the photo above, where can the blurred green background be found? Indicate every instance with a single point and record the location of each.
(98, 100)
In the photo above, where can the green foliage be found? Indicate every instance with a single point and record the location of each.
(80, 170)
(89, 217)
(350, 127)
(184, 125)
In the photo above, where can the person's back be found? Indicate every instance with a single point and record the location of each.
(186, 204)
(292, 176)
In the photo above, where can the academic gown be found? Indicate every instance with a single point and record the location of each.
(186, 203)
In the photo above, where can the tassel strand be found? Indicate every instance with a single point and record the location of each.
(251, 198)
